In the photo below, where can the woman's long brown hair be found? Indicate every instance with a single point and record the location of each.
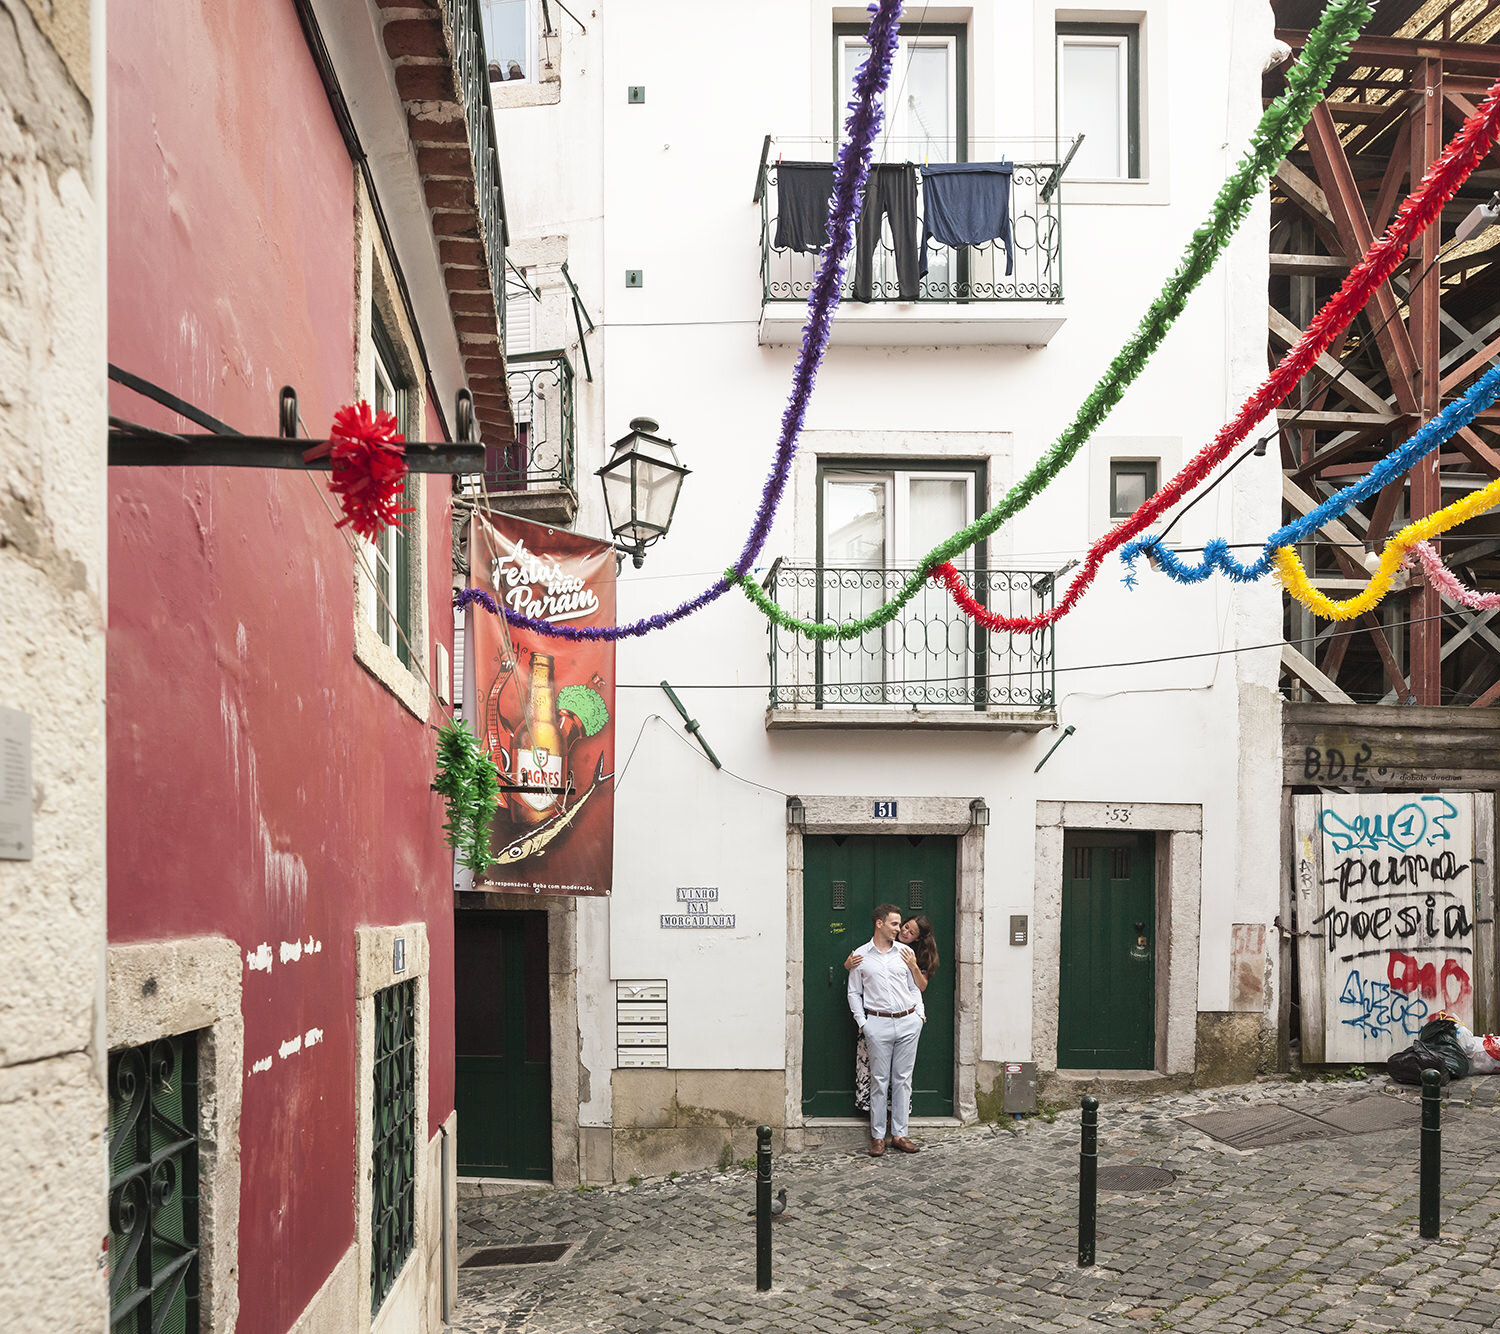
(925, 947)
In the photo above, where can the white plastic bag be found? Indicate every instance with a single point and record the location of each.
(1482, 1049)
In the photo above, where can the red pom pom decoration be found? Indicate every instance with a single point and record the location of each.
(369, 468)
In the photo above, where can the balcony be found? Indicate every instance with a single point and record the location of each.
(932, 667)
(966, 296)
(437, 53)
(533, 478)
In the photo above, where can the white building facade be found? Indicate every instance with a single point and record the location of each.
(1104, 910)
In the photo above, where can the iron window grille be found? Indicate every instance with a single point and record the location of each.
(393, 1224)
(153, 1187)
(542, 457)
(930, 656)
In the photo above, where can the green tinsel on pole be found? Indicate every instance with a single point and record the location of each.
(467, 780)
(1279, 128)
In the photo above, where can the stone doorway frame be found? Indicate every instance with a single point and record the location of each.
(948, 816)
(562, 1006)
(1179, 894)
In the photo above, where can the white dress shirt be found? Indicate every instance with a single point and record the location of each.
(882, 982)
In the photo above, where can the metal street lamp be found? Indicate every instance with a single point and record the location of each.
(641, 483)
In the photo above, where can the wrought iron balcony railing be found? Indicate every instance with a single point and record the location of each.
(931, 656)
(474, 84)
(542, 459)
(955, 273)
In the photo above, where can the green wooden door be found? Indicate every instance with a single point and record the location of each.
(503, 1076)
(1107, 1003)
(842, 881)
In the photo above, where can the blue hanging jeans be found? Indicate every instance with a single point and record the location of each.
(967, 203)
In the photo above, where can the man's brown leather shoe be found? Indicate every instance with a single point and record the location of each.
(905, 1145)
(877, 1147)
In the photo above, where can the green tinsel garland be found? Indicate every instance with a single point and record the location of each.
(1326, 47)
(467, 780)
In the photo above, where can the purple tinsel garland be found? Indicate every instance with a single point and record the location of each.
(849, 174)
(466, 597)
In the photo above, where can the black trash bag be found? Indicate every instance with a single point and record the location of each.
(1440, 1034)
(1406, 1066)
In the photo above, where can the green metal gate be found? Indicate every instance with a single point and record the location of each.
(842, 881)
(1107, 988)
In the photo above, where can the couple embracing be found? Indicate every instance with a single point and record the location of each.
(885, 997)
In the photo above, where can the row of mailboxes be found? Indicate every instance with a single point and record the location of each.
(640, 1025)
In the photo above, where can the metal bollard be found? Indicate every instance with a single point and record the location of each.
(1432, 1152)
(1088, 1181)
(763, 1208)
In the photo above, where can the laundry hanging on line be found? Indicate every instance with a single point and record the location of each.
(963, 204)
(890, 191)
(967, 203)
(802, 193)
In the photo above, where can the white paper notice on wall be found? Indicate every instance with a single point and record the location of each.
(15, 785)
(1396, 915)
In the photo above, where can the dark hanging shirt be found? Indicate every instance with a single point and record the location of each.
(802, 192)
(967, 203)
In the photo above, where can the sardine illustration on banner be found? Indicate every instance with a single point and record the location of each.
(545, 707)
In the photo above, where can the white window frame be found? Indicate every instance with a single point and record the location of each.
(1120, 44)
(532, 62)
(372, 648)
(896, 130)
(385, 395)
(896, 481)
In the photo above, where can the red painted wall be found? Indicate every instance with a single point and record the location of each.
(263, 786)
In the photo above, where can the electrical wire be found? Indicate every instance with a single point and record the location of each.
(1259, 446)
(1077, 667)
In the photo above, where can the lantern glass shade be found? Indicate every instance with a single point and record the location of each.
(641, 483)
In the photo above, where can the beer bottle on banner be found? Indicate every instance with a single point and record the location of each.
(537, 750)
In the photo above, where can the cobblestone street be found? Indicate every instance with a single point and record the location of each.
(978, 1232)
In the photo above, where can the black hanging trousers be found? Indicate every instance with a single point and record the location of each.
(891, 189)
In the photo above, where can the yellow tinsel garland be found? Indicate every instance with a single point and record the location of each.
(1290, 572)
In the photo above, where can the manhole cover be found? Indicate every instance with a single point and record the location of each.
(1256, 1128)
(1133, 1179)
(1366, 1116)
(494, 1256)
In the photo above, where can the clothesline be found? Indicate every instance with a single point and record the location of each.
(964, 204)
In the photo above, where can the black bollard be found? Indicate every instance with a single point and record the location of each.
(1432, 1151)
(763, 1208)
(1088, 1181)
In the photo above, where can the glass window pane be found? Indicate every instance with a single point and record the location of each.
(854, 523)
(1130, 486)
(928, 103)
(1091, 79)
(939, 508)
(505, 39)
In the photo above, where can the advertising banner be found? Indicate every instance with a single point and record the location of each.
(546, 706)
(1387, 911)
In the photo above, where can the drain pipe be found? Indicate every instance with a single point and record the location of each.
(447, 1238)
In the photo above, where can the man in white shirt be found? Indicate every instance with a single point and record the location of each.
(887, 1006)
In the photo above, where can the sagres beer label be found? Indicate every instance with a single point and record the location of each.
(540, 768)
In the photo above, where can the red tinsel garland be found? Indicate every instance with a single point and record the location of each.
(1464, 152)
(369, 468)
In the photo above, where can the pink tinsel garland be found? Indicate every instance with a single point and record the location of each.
(1449, 584)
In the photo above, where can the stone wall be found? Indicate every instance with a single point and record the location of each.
(680, 1120)
(52, 571)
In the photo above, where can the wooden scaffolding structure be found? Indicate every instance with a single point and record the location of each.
(1421, 68)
